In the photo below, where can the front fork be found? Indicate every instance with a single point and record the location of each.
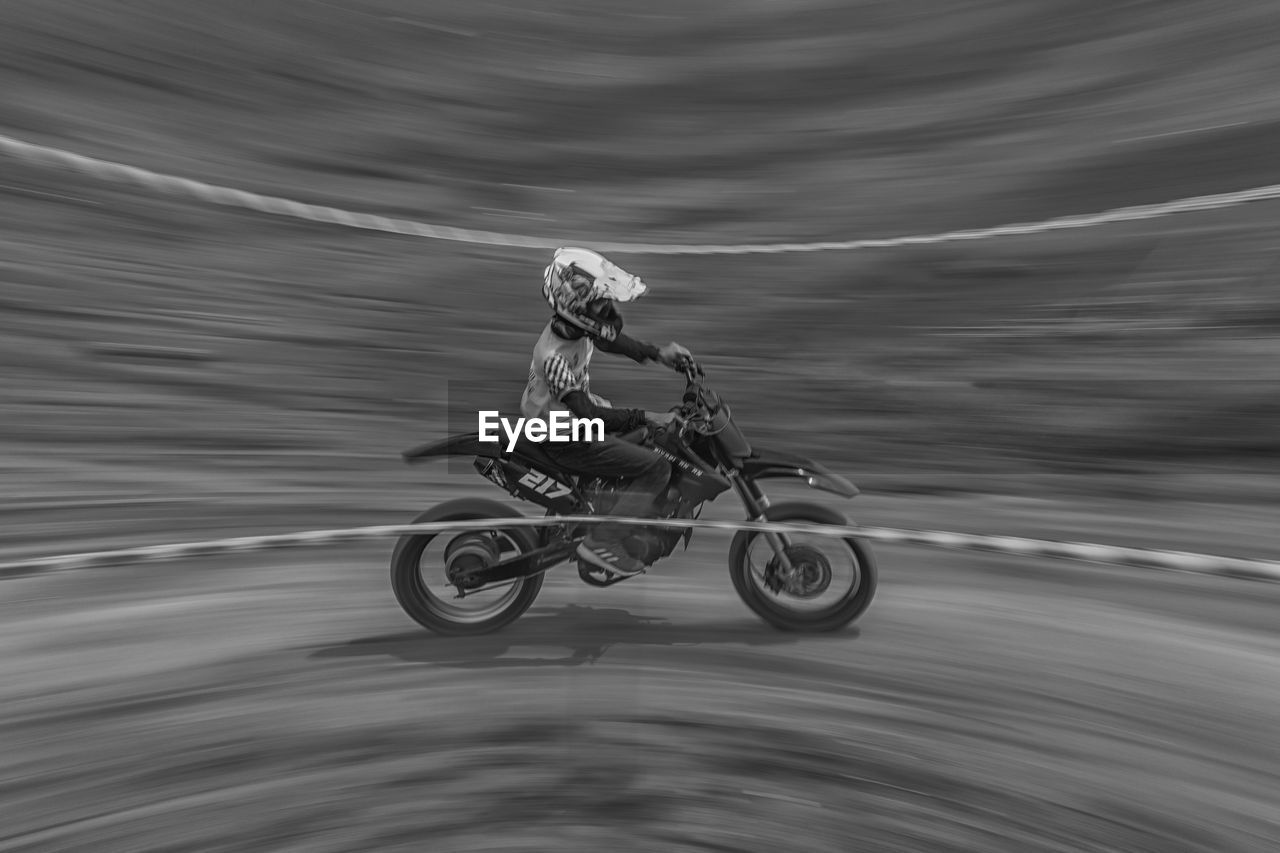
(756, 502)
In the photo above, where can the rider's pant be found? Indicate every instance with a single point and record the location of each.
(647, 473)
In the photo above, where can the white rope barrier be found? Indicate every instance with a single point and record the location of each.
(107, 170)
(1177, 561)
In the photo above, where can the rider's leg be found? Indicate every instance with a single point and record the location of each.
(647, 474)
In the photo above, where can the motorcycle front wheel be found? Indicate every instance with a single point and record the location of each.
(420, 575)
(831, 582)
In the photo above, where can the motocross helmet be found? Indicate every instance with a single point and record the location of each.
(582, 287)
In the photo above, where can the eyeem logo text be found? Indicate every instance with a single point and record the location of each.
(561, 428)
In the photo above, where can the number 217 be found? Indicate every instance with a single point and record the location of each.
(540, 483)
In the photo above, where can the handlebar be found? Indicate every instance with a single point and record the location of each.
(692, 412)
(691, 369)
(693, 373)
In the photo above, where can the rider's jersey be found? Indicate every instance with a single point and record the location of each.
(558, 367)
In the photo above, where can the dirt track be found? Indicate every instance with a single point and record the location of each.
(283, 702)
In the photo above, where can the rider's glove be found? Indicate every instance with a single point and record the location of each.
(674, 356)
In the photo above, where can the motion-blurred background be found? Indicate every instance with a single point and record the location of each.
(173, 370)
(161, 347)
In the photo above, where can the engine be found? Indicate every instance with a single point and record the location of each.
(602, 493)
(648, 546)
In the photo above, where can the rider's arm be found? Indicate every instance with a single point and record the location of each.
(615, 420)
(672, 355)
(637, 351)
(565, 388)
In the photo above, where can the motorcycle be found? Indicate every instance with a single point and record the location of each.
(709, 455)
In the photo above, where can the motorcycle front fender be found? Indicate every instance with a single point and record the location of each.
(764, 464)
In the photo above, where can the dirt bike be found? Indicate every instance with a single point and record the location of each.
(708, 455)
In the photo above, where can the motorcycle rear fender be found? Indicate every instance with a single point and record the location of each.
(462, 444)
(763, 464)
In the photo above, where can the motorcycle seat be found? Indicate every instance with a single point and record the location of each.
(532, 451)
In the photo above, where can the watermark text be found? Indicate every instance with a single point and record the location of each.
(562, 427)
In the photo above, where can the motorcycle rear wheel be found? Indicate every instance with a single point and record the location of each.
(439, 613)
(772, 606)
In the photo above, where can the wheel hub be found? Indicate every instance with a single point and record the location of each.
(809, 576)
(470, 552)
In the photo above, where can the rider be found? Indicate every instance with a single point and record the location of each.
(583, 289)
